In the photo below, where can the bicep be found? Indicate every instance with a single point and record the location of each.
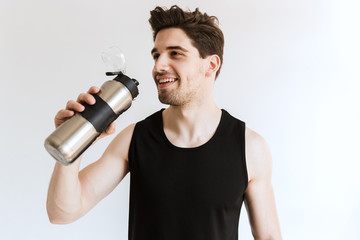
(259, 195)
(101, 177)
(261, 209)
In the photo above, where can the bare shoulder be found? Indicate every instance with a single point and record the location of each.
(258, 156)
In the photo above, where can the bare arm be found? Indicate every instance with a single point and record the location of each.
(72, 193)
(259, 196)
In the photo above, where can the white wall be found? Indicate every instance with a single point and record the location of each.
(291, 72)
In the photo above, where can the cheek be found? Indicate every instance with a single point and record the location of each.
(205, 65)
(199, 69)
(153, 72)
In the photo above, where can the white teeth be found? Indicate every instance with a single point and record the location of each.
(166, 80)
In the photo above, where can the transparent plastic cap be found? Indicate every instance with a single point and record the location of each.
(114, 60)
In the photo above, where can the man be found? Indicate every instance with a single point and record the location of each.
(189, 167)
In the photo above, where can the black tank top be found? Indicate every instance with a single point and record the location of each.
(186, 193)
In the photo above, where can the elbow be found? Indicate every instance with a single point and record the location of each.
(58, 219)
(57, 216)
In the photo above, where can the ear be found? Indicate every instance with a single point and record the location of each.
(214, 65)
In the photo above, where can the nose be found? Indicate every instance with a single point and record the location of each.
(161, 64)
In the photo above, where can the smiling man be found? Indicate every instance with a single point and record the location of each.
(190, 169)
(175, 55)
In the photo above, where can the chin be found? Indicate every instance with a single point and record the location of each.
(169, 100)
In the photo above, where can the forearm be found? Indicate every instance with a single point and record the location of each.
(64, 194)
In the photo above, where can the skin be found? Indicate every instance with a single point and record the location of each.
(190, 121)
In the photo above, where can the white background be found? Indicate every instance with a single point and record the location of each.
(291, 72)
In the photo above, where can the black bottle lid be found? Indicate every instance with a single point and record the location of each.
(131, 84)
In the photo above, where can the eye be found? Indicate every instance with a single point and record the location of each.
(174, 53)
(156, 56)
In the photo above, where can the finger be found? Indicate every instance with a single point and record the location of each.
(93, 90)
(87, 98)
(108, 131)
(75, 106)
(62, 116)
(63, 113)
(111, 128)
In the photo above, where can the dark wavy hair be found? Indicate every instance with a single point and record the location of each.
(202, 29)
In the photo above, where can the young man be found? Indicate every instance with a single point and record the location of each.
(190, 169)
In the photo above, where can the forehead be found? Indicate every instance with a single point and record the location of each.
(172, 37)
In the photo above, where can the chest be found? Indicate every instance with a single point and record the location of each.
(207, 176)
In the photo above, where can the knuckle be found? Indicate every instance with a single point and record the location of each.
(68, 104)
(59, 113)
(93, 89)
(80, 97)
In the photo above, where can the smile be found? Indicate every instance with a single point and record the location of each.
(167, 80)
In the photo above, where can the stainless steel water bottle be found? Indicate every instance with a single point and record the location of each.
(75, 135)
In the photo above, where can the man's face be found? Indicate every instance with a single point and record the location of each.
(178, 70)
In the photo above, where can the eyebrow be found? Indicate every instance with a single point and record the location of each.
(170, 48)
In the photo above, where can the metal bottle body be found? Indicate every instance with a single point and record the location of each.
(75, 135)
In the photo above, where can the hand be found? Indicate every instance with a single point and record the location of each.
(76, 106)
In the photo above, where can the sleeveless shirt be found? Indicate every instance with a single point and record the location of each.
(186, 193)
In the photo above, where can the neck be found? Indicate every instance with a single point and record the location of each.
(192, 124)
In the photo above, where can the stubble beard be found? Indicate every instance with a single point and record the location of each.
(171, 98)
(177, 96)
(174, 97)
